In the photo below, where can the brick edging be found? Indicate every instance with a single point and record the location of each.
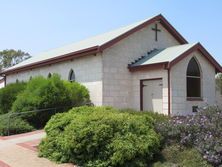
(3, 164)
(29, 147)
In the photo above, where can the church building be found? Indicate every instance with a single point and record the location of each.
(146, 66)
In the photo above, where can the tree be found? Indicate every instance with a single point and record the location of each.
(219, 82)
(10, 57)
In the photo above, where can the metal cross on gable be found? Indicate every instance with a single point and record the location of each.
(156, 31)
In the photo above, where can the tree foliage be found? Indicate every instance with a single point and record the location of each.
(9, 94)
(10, 57)
(219, 82)
(48, 94)
(53, 92)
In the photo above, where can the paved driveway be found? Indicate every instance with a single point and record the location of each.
(20, 151)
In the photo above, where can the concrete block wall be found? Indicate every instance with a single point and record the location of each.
(88, 71)
(118, 82)
(141, 75)
(2, 84)
(179, 102)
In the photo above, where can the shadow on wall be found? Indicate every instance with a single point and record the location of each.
(219, 98)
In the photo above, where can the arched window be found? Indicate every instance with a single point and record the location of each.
(71, 76)
(49, 75)
(193, 79)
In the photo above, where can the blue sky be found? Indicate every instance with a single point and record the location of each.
(36, 26)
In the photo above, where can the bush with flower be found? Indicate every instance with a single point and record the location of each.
(202, 131)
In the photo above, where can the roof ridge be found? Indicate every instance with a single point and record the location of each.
(98, 35)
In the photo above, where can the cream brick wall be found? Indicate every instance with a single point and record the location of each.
(179, 102)
(2, 84)
(88, 71)
(141, 75)
(120, 87)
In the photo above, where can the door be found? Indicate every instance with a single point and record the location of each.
(152, 96)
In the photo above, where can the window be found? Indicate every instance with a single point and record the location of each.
(71, 76)
(49, 75)
(193, 79)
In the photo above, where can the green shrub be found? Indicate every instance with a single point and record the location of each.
(156, 116)
(178, 156)
(42, 93)
(15, 126)
(219, 82)
(100, 136)
(50, 93)
(8, 95)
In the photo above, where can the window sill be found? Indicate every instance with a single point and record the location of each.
(194, 99)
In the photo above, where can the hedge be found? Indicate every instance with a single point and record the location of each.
(8, 95)
(100, 136)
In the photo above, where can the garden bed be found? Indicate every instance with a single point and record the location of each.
(104, 136)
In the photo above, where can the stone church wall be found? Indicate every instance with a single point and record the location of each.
(88, 71)
(219, 98)
(141, 75)
(180, 105)
(120, 86)
(2, 84)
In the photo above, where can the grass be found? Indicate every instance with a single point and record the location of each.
(177, 156)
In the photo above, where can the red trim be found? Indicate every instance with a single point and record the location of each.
(172, 30)
(169, 93)
(141, 95)
(96, 49)
(5, 80)
(159, 18)
(201, 49)
(3, 164)
(31, 145)
(84, 52)
(148, 66)
(167, 65)
(141, 90)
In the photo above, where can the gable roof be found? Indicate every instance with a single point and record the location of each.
(166, 58)
(162, 55)
(91, 45)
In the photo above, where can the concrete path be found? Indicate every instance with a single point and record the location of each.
(6, 142)
(17, 151)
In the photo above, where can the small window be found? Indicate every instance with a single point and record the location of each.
(193, 79)
(71, 76)
(49, 75)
